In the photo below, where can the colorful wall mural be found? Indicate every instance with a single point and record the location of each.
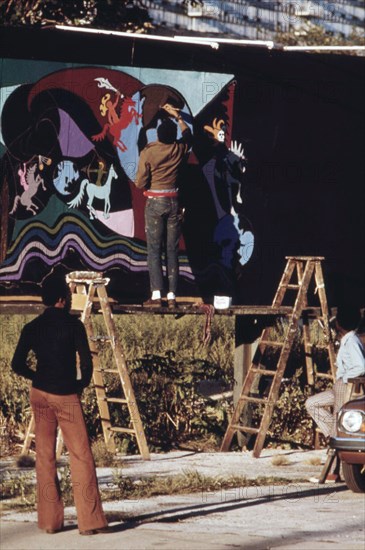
(71, 137)
(276, 167)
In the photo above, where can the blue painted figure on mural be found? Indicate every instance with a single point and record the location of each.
(223, 173)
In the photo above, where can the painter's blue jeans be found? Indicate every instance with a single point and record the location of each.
(163, 220)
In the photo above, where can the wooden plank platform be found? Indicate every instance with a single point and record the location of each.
(191, 309)
(32, 305)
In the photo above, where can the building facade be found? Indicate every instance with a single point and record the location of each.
(260, 19)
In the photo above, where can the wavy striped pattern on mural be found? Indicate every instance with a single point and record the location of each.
(51, 245)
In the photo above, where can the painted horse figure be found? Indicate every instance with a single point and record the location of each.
(117, 122)
(30, 183)
(95, 192)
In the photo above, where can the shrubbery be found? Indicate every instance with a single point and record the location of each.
(168, 365)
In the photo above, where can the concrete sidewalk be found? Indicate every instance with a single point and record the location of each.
(295, 514)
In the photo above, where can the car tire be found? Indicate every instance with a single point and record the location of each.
(354, 475)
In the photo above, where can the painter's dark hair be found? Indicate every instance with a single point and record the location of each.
(348, 317)
(167, 131)
(54, 288)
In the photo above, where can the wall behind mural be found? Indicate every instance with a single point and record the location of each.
(71, 138)
(276, 167)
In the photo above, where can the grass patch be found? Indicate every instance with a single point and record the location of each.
(19, 494)
(280, 460)
(20, 490)
(127, 488)
(314, 461)
(102, 457)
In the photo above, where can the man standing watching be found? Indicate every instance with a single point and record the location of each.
(57, 337)
(350, 363)
(158, 172)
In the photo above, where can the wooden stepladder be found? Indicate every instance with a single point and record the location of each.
(87, 289)
(303, 269)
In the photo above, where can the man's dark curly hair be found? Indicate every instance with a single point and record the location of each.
(54, 288)
(348, 317)
(167, 131)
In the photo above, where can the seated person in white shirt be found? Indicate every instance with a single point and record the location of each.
(350, 362)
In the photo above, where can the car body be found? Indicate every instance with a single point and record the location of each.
(350, 443)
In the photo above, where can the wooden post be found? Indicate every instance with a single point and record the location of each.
(243, 354)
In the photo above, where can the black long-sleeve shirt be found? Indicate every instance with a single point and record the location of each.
(55, 337)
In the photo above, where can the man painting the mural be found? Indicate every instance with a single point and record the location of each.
(158, 172)
(350, 363)
(56, 337)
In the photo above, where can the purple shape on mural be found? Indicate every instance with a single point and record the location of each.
(72, 140)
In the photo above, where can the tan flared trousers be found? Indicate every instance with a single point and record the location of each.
(65, 411)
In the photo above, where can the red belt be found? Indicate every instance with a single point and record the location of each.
(155, 194)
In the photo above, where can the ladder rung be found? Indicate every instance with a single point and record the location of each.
(253, 399)
(263, 371)
(122, 430)
(115, 400)
(245, 429)
(293, 286)
(270, 343)
(113, 371)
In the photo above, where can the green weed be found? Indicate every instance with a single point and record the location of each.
(102, 457)
(64, 476)
(21, 486)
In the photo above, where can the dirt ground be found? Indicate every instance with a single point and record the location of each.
(296, 514)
